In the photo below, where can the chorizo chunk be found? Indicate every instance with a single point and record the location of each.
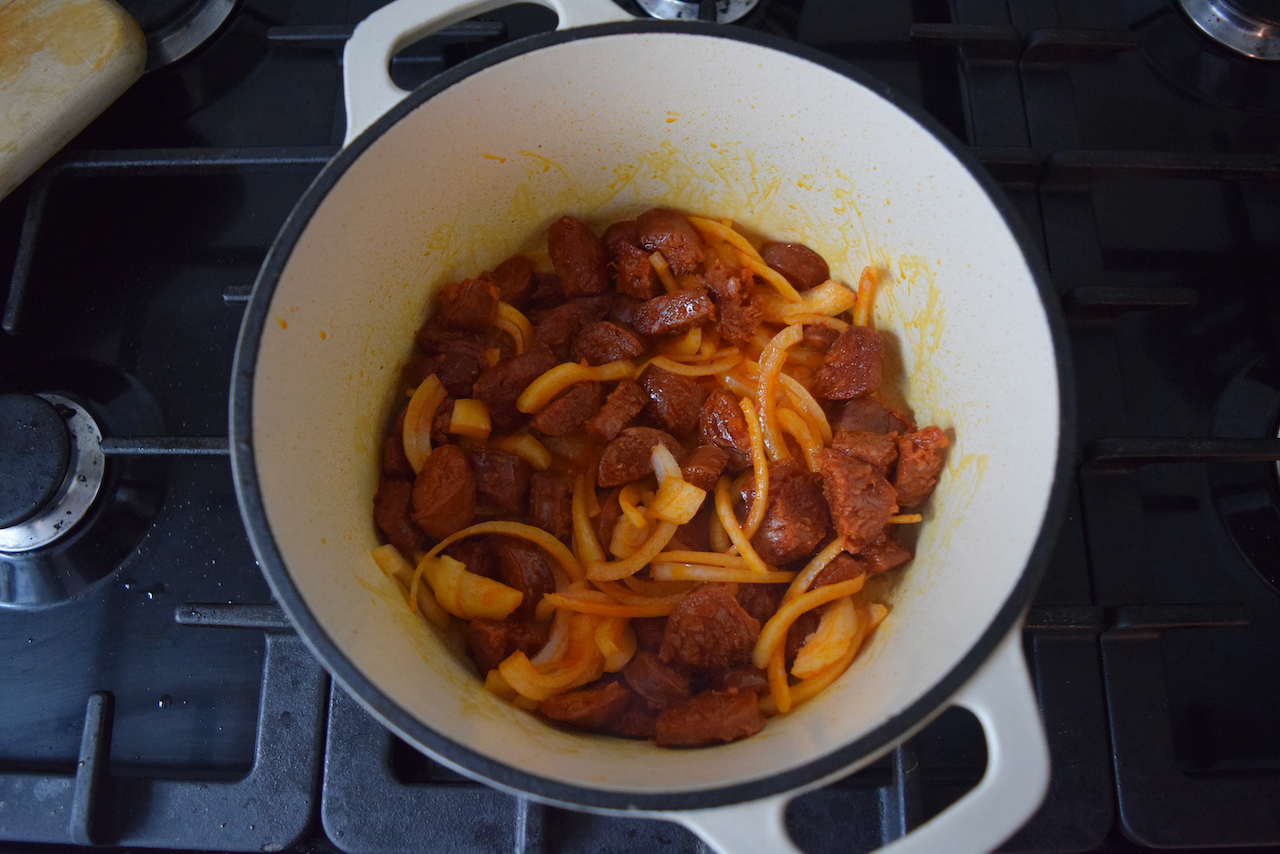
(805, 625)
(709, 718)
(654, 681)
(919, 461)
(515, 280)
(872, 416)
(819, 337)
(561, 325)
(522, 567)
(674, 313)
(761, 600)
(499, 387)
(704, 466)
(722, 423)
(795, 517)
(709, 630)
(629, 456)
(551, 503)
(877, 449)
(391, 512)
(471, 304)
(740, 317)
(444, 495)
(852, 366)
(602, 342)
(578, 256)
(394, 462)
(675, 401)
(670, 233)
(593, 708)
(633, 273)
(800, 265)
(745, 677)
(489, 642)
(725, 281)
(570, 410)
(502, 479)
(624, 403)
(884, 553)
(842, 568)
(477, 555)
(636, 722)
(861, 501)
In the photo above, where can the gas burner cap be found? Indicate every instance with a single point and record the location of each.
(1230, 24)
(725, 11)
(65, 494)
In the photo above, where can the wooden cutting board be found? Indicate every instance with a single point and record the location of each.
(62, 62)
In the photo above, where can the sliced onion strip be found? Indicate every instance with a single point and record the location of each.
(544, 389)
(418, 418)
(391, 562)
(724, 509)
(775, 353)
(866, 292)
(830, 641)
(760, 468)
(659, 536)
(670, 571)
(774, 632)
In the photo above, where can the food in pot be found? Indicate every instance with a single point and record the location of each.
(653, 478)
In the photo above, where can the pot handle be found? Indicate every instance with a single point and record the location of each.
(1011, 790)
(366, 78)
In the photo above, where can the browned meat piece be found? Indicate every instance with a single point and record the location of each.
(649, 632)
(394, 462)
(861, 501)
(761, 600)
(872, 416)
(842, 568)
(745, 677)
(851, 367)
(638, 721)
(654, 681)
(589, 709)
(489, 642)
(724, 281)
(624, 232)
(624, 403)
(391, 512)
(704, 466)
(696, 533)
(674, 401)
(610, 513)
(457, 370)
(579, 257)
(674, 314)
(668, 232)
(623, 306)
(722, 423)
(919, 461)
(820, 338)
(547, 291)
(514, 278)
(805, 625)
(444, 495)
(627, 457)
(711, 717)
(471, 304)
(570, 410)
(739, 319)
(522, 567)
(801, 266)
(884, 553)
(795, 519)
(878, 449)
(440, 424)
(477, 555)
(502, 479)
(634, 274)
(551, 503)
(499, 387)
(602, 342)
(561, 325)
(709, 630)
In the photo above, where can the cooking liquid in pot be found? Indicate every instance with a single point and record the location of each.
(655, 480)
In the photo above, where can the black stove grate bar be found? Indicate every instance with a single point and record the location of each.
(1153, 619)
(236, 294)
(1127, 454)
(1101, 302)
(979, 41)
(335, 36)
(1049, 45)
(95, 744)
(159, 161)
(1075, 169)
(167, 446)
(268, 618)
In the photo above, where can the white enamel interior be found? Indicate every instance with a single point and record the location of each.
(784, 147)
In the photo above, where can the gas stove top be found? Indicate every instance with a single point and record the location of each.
(154, 696)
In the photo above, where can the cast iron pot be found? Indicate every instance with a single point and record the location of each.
(603, 119)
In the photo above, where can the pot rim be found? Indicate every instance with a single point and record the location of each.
(546, 788)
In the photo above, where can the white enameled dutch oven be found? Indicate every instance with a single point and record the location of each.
(604, 119)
